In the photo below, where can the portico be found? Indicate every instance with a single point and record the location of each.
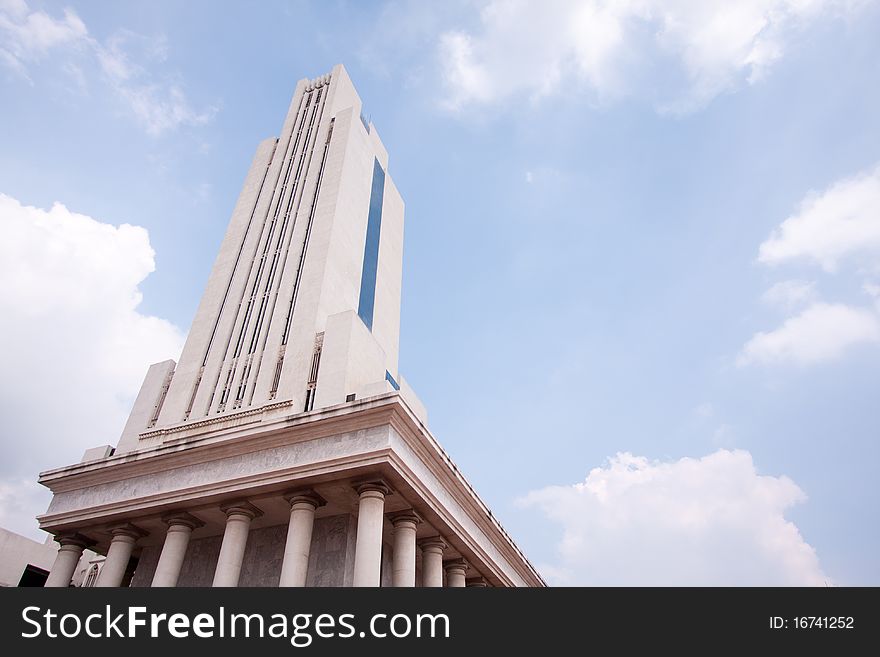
(262, 515)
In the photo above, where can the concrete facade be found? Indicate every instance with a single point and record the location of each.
(285, 448)
(19, 553)
(23, 559)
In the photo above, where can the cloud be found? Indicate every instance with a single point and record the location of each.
(29, 36)
(159, 105)
(822, 332)
(842, 221)
(76, 345)
(712, 521)
(615, 48)
(790, 294)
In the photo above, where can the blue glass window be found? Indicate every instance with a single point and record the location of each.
(371, 247)
(390, 379)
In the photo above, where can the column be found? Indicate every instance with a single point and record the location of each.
(295, 565)
(238, 524)
(477, 583)
(403, 567)
(119, 554)
(180, 528)
(432, 561)
(455, 573)
(72, 546)
(368, 548)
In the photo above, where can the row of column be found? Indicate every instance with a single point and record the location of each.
(294, 567)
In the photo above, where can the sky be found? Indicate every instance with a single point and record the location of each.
(641, 293)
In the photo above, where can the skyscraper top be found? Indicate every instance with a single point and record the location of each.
(302, 308)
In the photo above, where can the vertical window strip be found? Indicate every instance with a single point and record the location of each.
(276, 380)
(311, 387)
(247, 367)
(238, 256)
(242, 335)
(287, 214)
(222, 308)
(369, 273)
(290, 148)
(301, 176)
(302, 255)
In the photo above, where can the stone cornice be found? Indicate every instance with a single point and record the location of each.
(225, 420)
(281, 430)
(185, 496)
(420, 439)
(461, 536)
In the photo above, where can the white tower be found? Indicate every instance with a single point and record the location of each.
(285, 448)
(303, 304)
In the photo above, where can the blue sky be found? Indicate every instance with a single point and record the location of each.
(642, 260)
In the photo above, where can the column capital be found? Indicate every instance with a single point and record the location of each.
(477, 582)
(74, 540)
(406, 516)
(377, 485)
(241, 508)
(177, 518)
(304, 496)
(127, 530)
(456, 564)
(433, 544)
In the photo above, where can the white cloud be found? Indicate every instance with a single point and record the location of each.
(159, 107)
(790, 294)
(843, 220)
(822, 332)
(614, 47)
(30, 36)
(707, 521)
(76, 347)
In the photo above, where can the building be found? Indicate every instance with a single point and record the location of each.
(285, 448)
(26, 562)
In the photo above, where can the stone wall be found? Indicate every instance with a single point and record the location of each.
(331, 559)
(146, 566)
(200, 562)
(261, 565)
